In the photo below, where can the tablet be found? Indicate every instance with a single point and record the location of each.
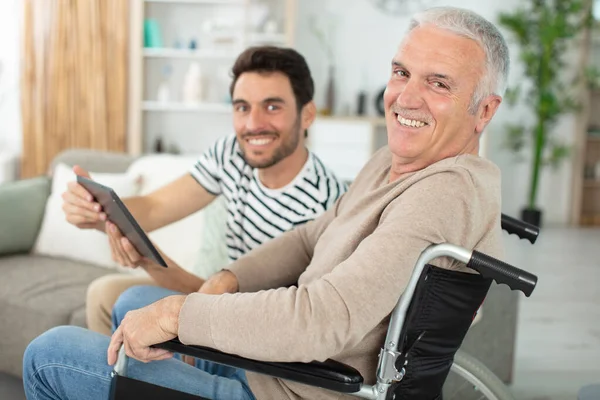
(117, 213)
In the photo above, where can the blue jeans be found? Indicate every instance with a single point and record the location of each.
(69, 362)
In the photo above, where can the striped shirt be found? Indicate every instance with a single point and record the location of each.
(256, 214)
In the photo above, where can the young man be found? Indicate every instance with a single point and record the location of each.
(326, 289)
(270, 181)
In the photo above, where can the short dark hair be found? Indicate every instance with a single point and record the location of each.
(277, 59)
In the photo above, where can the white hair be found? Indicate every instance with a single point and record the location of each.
(471, 25)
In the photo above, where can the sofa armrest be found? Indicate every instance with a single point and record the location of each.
(22, 205)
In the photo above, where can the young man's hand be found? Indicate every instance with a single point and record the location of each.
(79, 206)
(122, 250)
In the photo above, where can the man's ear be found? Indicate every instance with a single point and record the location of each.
(487, 109)
(309, 113)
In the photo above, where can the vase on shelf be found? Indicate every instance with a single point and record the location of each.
(330, 93)
(163, 94)
(152, 34)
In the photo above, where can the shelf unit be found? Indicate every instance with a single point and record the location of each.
(193, 126)
(585, 201)
(346, 143)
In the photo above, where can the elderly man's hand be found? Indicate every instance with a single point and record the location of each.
(145, 327)
(222, 282)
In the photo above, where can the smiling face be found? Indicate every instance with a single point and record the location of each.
(266, 120)
(434, 75)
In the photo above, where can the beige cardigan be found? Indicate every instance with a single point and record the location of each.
(351, 265)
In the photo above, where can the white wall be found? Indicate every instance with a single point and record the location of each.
(364, 44)
(10, 114)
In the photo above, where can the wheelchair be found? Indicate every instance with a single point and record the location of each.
(421, 349)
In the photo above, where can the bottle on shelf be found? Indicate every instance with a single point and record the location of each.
(163, 94)
(193, 85)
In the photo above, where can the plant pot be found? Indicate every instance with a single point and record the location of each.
(532, 216)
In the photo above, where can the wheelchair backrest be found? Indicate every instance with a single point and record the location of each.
(441, 312)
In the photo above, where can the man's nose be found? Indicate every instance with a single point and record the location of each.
(255, 121)
(410, 97)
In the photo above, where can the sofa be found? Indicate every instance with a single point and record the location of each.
(46, 264)
(46, 270)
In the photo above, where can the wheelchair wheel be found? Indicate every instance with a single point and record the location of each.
(469, 379)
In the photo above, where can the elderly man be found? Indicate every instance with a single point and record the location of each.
(325, 289)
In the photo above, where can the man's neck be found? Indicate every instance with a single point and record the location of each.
(282, 173)
(402, 166)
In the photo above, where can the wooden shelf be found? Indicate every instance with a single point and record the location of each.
(183, 107)
(590, 219)
(150, 52)
(591, 183)
(593, 138)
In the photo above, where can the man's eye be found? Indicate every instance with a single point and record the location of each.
(440, 85)
(272, 107)
(241, 108)
(400, 72)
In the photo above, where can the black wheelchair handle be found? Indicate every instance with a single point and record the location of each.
(501, 272)
(520, 228)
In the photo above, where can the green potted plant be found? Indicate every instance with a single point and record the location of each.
(544, 30)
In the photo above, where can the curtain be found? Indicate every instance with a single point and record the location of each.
(74, 78)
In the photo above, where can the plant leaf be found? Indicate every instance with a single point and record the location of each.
(558, 152)
(515, 139)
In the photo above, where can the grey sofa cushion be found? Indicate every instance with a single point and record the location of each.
(11, 388)
(78, 317)
(21, 210)
(36, 294)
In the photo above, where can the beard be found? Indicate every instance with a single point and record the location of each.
(288, 145)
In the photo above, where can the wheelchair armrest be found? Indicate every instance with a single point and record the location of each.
(330, 374)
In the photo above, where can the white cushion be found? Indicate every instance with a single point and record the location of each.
(179, 240)
(196, 242)
(211, 255)
(158, 170)
(58, 238)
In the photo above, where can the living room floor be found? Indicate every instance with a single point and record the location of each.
(558, 338)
